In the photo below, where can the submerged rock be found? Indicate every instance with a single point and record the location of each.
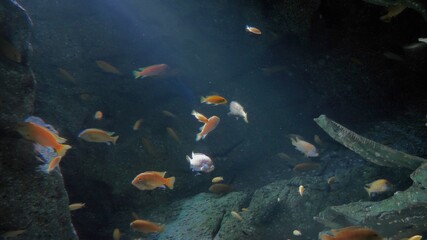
(372, 151)
(402, 215)
(204, 216)
(32, 200)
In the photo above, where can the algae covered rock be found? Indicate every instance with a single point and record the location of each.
(204, 216)
(372, 151)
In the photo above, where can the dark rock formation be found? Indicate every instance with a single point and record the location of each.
(31, 199)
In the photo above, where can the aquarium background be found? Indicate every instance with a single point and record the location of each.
(313, 57)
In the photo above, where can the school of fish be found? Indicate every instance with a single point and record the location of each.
(51, 147)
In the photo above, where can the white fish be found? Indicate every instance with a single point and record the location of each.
(424, 40)
(199, 162)
(237, 110)
(307, 148)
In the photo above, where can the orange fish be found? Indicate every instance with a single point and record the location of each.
(317, 140)
(214, 99)
(353, 233)
(154, 70)
(332, 180)
(306, 166)
(10, 51)
(149, 147)
(253, 30)
(137, 124)
(98, 115)
(98, 135)
(85, 97)
(151, 180)
(66, 75)
(200, 117)
(43, 136)
(168, 114)
(208, 127)
(173, 135)
(146, 226)
(107, 67)
(220, 188)
(54, 163)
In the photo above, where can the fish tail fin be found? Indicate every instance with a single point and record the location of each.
(202, 99)
(115, 139)
(188, 158)
(367, 188)
(62, 149)
(162, 228)
(54, 163)
(294, 141)
(246, 118)
(198, 136)
(327, 237)
(386, 18)
(170, 182)
(136, 74)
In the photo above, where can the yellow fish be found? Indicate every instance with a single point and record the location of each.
(301, 190)
(107, 67)
(98, 135)
(11, 234)
(217, 179)
(392, 11)
(76, 206)
(116, 234)
(416, 237)
(236, 215)
(98, 115)
(297, 232)
(378, 186)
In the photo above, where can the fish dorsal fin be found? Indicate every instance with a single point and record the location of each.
(161, 174)
(141, 69)
(59, 139)
(345, 230)
(111, 133)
